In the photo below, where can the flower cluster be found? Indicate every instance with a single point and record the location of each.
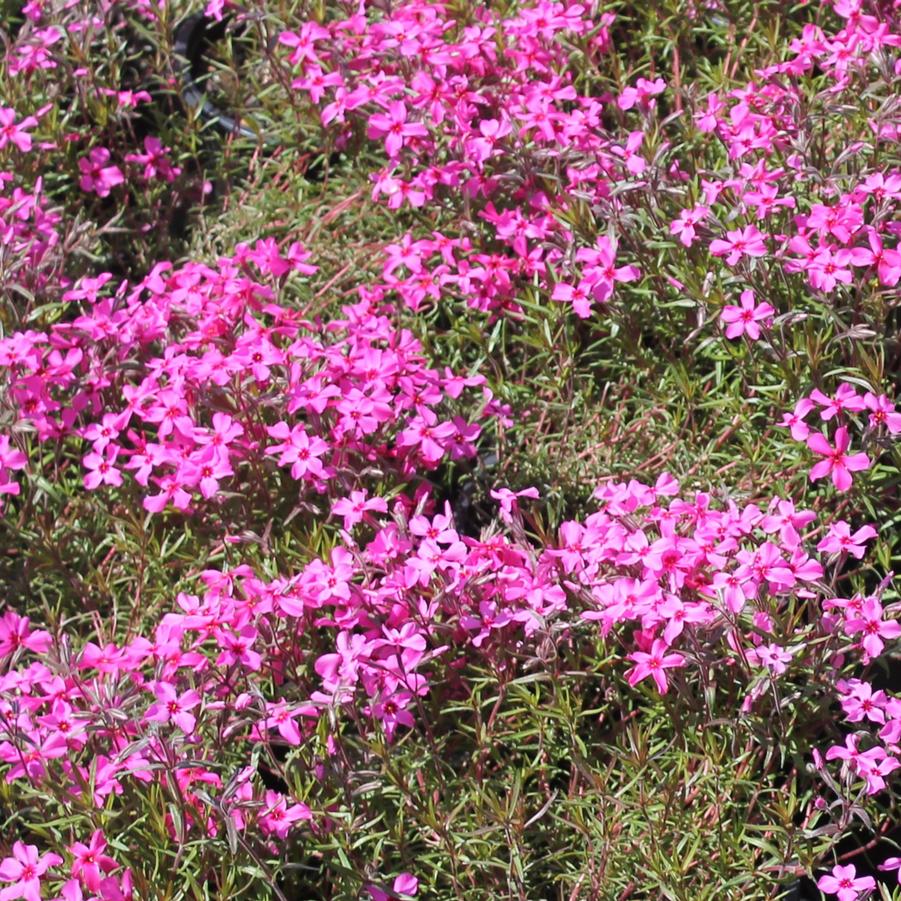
(291, 437)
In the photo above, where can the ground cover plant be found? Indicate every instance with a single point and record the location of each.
(453, 457)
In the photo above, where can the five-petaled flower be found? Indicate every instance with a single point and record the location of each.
(654, 664)
(747, 318)
(837, 462)
(174, 707)
(845, 883)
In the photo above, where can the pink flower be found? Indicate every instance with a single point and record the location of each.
(298, 449)
(843, 883)
(886, 260)
(794, 421)
(837, 463)
(404, 886)
(864, 703)
(654, 664)
(829, 267)
(90, 862)
(774, 657)
(882, 413)
(15, 633)
(15, 133)
(684, 226)
(874, 628)
(206, 470)
(600, 269)
(278, 818)
(630, 155)
(429, 436)
(578, 295)
(642, 94)
(155, 161)
(747, 241)
(171, 491)
(172, 706)
(281, 716)
(395, 127)
(355, 507)
(25, 869)
(846, 398)
(96, 175)
(892, 863)
(102, 470)
(744, 320)
(839, 539)
(509, 500)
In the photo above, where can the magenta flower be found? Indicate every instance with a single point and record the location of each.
(12, 132)
(394, 126)
(170, 706)
(837, 462)
(15, 633)
(641, 95)
(747, 241)
(89, 862)
(278, 818)
(25, 869)
(654, 664)
(794, 421)
(207, 470)
(882, 412)
(298, 449)
(844, 883)
(509, 500)
(155, 161)
(746, 319)
(684, 226)
(355, 507)
(404, 886)
(97, 175)
(839, 539)
(845, 398)
(874, 628)
(102, 468)
(892, 864)
(886, 260)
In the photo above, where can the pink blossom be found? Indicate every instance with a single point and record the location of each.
(642, 94)
(509, 500)
(741, 242)
(840, 540)
(845, 883)
(15, 633)
(794, 421)
(394, 126)
(886, 260)
(874, 628)
(170, 706)
(654, 664)
(102, 468)
(837, 463)
(96, 175)
(155, 161)
(404, 886)
(355, 507)
(89, 861)
(16, 133)
(685, 225)
(746, 319)
(845, 398)
(25, 869)
(882, 413)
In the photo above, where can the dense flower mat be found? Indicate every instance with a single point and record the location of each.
(252, 647)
